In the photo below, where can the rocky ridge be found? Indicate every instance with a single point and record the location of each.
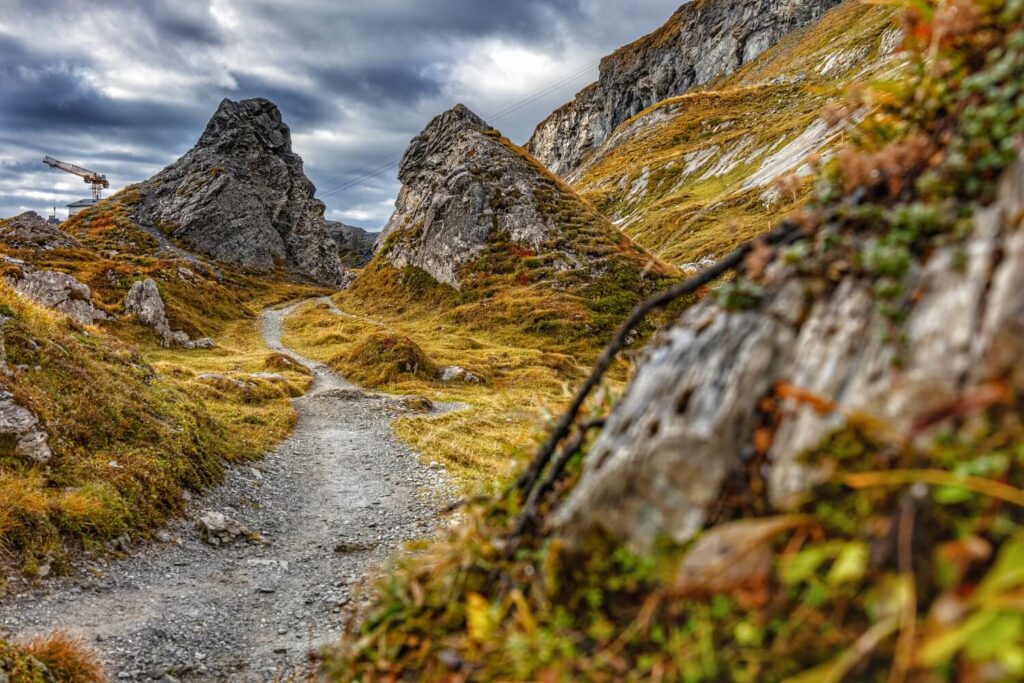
(694, 175)
(241, 196)
(355, 245)
(30, 230)
(704, 40)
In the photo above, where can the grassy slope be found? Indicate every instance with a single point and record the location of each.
(873, 582)
(656, 180)
(521, 320)
(131, 426)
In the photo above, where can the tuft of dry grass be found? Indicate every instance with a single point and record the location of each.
(383, 357)
(68, 659)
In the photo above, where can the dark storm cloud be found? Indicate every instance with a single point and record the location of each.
(126, 86)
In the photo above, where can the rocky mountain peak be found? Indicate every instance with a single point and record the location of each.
(704, 40)
(259, 117)
(464, 184)
(241, 196)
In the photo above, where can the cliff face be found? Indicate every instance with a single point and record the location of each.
(241, 196)
(703, 40)
(463, 186)
(355, 245)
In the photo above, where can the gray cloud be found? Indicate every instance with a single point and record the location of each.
(126, 86)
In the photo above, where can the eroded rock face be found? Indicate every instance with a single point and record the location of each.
(145, 303)
(20, 432)
(241, 196)
(58, 291)
(355, 245)
(688, 417)
(704, 40)
(463, 184)
(30, 230)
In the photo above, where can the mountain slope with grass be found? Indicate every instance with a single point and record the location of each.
(695, 175)
(703, 41)
(485, 234)
(123, 428)
(815, 472)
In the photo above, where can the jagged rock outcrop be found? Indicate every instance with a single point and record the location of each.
(20, 432)
(241, 196)
(704, 40)
(355, 245)
(30, 230)
(462, 185)
(51, 289)
(689, 415)
(145, 303)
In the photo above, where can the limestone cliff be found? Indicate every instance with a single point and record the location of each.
(241, 196)
(704, 40)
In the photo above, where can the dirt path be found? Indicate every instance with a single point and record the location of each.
(333, 501)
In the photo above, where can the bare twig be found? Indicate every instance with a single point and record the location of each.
(537, 494)
(785, 232)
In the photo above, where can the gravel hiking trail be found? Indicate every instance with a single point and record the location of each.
(333, 502)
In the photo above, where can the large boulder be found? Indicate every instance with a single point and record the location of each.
(32, 231)
(145, 303)
(20, 432)
(51, 289)
(702, 41)
(241, 196)
(689, 416)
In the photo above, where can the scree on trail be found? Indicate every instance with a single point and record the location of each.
(332, 502)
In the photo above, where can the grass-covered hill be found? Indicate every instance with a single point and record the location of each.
(900, 558)
(695, 175)
(130, 426)
(484, 234)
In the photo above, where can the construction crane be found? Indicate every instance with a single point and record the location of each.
(98, 182)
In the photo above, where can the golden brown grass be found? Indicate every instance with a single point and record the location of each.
(523, 383)
(681, 215)
(67, 658)
(57, 658)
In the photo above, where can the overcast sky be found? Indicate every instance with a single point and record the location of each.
(124, 87)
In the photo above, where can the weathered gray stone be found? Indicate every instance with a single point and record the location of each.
(241, 196)
(58, 291)
(456, 374)
(355, 245)
(690, 412)
(145, 303)
(701, 42)
(20, 433)
(30, 230)
(218, 529)
(462, 184)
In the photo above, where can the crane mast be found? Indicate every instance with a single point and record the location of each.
(98, 182)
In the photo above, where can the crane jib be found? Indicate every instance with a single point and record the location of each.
(93, 178)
